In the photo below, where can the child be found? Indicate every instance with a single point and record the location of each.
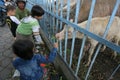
(11, 20)
(29, 26)
(28, 63)
(21, 11)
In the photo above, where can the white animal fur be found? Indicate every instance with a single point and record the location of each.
(98, 26)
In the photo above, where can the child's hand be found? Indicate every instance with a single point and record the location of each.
(56, 45)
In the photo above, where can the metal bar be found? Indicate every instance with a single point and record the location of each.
(47, 5)
(49, 18)
(106, 31)
(93, 36)
(45, 17)
(114, 72)
(31, 2)
(50, 30)
(61, 15)
(57, 15)
(44, 2)
(43, 20)
(66, 35)
(48, 27)
(84, 39)
(51, 27)
(50, 6)
(74, 32)
(61, 12)
(53, 5)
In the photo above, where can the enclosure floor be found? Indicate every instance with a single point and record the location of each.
(6, 55)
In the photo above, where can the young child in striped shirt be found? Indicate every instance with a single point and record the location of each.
(29, 26)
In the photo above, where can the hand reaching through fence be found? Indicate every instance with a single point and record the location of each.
(56, 45)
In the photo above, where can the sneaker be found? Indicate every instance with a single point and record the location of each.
(16, 74)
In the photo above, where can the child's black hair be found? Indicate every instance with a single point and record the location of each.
(23, 1)
(37, 11)
(23, 49)
(10, 8)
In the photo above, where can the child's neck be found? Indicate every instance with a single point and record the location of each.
(8, 14)
(22, 9)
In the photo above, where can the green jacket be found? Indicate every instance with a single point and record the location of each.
(28, 25)
(21, 14)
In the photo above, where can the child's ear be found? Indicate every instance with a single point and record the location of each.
(14, 56)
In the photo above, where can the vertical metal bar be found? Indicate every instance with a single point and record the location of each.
(42, 2)
(61, 12)
(53, 4)
(47, 4)
(66, 37)
(50, 20)
(50, 23)
(61, 15)
(46, 18)
(74, 32)
(57, 15)
(66, 34)
(114, 72)
(84, 39)
(50, 5)
(105, 33)
(43, 15)
(36, 1)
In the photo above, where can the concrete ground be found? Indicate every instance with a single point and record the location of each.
(6, 54)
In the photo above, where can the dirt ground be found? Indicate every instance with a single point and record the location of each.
(103, 66)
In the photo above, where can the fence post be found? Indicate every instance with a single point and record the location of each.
(66, 30)
(61, 15)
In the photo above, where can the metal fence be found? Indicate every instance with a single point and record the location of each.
(53, 22)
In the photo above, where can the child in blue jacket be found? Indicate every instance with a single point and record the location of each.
(28, 63)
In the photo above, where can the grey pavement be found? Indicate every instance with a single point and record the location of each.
(6, 54)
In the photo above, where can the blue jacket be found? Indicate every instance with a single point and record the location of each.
(31, 69)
